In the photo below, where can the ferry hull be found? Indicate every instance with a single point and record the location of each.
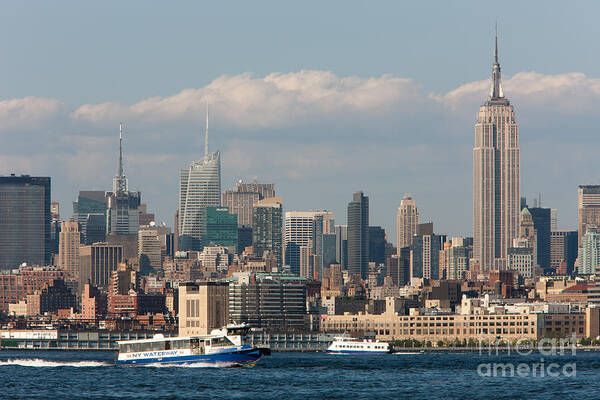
(357, 352)
(244, 358)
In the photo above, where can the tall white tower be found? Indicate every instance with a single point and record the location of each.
(199, 187)
(496, 176)
(407, 221)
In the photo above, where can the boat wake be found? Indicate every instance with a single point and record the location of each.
(38, 362)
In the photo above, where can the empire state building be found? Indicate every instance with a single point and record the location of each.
(496, 177)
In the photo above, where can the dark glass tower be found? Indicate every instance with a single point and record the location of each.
(24, 221)
(377, 244)
(267, 222)
(358, 235)
(541, 223)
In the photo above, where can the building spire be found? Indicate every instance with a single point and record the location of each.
(120, 170)
(496, 89)
(496, 47)
(206, 133)
(120, 181)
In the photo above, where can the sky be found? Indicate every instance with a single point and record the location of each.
(321, 98)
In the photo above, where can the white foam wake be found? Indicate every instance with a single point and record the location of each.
(38, 362)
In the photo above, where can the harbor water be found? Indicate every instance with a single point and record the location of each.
(38, 374)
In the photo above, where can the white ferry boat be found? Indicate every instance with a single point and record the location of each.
(223, 347)
(345, 344)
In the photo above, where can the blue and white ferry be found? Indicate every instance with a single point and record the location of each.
(348, 345)
(223, 347)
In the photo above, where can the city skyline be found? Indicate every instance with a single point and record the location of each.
(406, 130)
(412, 181)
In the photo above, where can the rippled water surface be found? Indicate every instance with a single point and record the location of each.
(85, 375)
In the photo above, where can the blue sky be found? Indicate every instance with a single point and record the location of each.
(386, 104)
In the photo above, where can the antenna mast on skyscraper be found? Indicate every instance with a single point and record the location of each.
(206, 134)
(120, 171)
(120, 181)
(496, 42)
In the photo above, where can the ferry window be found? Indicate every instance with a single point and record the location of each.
(183, 344)
(167, 345)
(151, 346)
(221, 341)
(126, 348)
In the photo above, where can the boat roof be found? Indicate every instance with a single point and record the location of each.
(351, 339)
(161, 338)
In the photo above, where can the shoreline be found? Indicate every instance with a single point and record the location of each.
(411, 350)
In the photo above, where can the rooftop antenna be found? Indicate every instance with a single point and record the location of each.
(120, 172)
(206, 134)
(496, 43)
(496, 89)
(120, 182)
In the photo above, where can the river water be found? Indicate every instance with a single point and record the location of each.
(91, 375)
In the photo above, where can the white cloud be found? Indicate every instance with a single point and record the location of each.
(28, 113)
(383, 134)
(277, 100)
(572, 93)
(284, 100)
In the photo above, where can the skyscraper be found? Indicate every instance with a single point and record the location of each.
(496, 176)
(68, 248)
(149, 244)
(542, 221)
(553, 219)
(457, 259)
(358, 235)
(377, 240)
(589, 252)
(563, 248)
(522, 255)
(24, 221)
(588, 207)
(267, 222)
(97, 262)
(199, 186)
(54, 226)
(341, 245)
(90, 212)
(122, 216)
(219, 228)
(243, 196)
(425, 256)
(408, 219)
(302, 227)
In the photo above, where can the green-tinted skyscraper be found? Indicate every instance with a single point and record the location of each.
(219, 228)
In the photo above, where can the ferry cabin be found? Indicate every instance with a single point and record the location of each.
(196, 345)
(362, 347)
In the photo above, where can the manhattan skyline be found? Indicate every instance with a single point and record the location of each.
(316, 127)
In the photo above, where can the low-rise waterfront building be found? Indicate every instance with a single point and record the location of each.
(442, 326)
(202, 307)
(273, 301)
